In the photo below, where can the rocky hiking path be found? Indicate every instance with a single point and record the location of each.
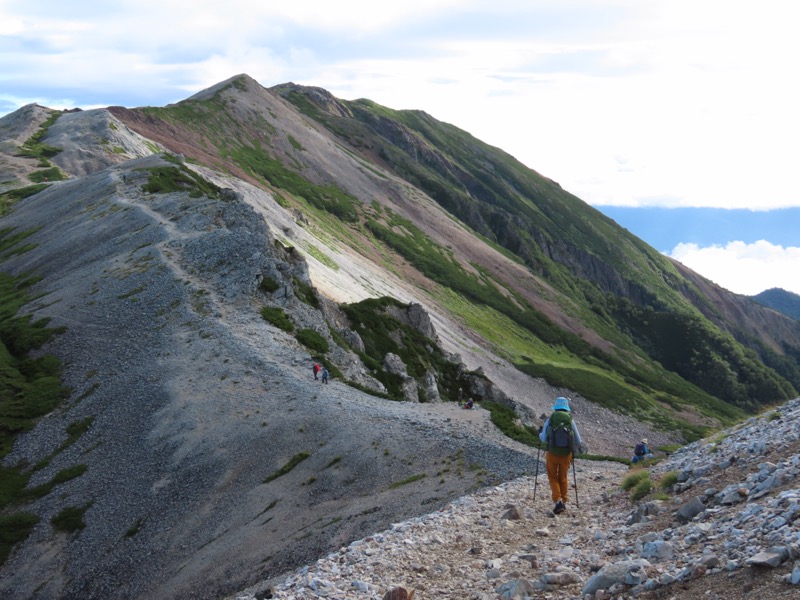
(470, 547)
(727, 528)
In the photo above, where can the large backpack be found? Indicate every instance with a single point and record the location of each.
(559, 433)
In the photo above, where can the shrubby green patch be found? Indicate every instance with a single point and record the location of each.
(638, 484)
(305, 293)
(668, 480)
(34, 148)
(10, 197)
(695, 349)
(70, 518)
(641, 489)
(40, 491)
(179, 178)
(29, 388)
(293, 462)
(407, 480)
(312, 340)
(134, 529)
(329, 198)
(504, 418)
(278, 317)
(269, 285)
(382, 334)
(51, 174)
(14, 529)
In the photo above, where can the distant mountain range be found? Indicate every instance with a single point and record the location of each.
(786, 302)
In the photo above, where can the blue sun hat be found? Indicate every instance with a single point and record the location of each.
(561, 404)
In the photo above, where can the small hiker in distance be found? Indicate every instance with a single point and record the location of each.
(641, 451)
(562, 437)
(325, 375)
(315, 368)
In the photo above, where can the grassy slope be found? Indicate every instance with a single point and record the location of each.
(29, 389)
(557, 235)
(529, 217)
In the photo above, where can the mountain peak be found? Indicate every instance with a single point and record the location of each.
(193, 261)
(318, 97)
(241, 81)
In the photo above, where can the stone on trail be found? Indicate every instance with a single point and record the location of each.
(630, 572)
(690, 510)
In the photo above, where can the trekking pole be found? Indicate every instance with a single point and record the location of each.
(575, 480)
(536, 477)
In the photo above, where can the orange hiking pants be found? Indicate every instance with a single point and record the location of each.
(557, 475)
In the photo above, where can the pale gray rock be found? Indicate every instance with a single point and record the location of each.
(690, 510)
(773, 557)
(395, 365)
(658, 550)
(561, 578)
(518, 589)
(431, 388)
(353, 339)
(630, 572)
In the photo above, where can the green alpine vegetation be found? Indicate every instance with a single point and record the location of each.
(382, 334)
(786, 302)
(30, 387)
(34, 147)
(179, 178)
(599, 312)
(610, 280)
(293, 462)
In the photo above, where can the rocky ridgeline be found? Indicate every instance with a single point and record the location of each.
(735, 505)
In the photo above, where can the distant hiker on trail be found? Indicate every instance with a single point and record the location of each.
(325, 375)
(641, 451)
(562, 437)
(460, 397)
(315, 368)
(470, 403)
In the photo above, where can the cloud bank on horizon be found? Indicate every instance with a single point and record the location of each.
(686, 103)
(740, 267)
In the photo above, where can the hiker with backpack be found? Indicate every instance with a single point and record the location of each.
(641, 451)
(563, 439)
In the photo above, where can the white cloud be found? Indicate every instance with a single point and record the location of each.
(744, 268)
(679, 103)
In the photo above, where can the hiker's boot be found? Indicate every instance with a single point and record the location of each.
(559, 507)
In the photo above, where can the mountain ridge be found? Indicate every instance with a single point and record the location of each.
(179, 227)
(564, 257)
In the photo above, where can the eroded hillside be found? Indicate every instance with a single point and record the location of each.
(199, 258)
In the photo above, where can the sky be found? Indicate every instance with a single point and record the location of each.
(635, 106)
